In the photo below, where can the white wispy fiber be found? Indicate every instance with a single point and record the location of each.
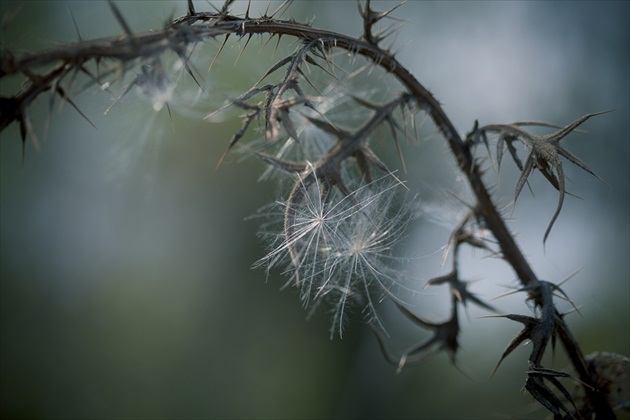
(342, 248)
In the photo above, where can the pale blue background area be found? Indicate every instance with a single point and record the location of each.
(126, 289)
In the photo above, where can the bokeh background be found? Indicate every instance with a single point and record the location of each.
(126, 289)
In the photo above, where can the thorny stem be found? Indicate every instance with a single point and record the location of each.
(544, 299)
(155, 42)
(573, 351)
(462, 153)
(199, 26)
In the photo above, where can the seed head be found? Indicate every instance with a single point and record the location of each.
(341, 249)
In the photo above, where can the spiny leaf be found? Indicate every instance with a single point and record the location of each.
(310, 60)
(244, 47)
(227, 36)
(239, 134)
(63, 94)
(285, 165)
(74, 23)
(525, 334)
(123, 23)
(560, 179)
(186, 62)
(275, 67)
(543, 153)
(371, 17)
(545, 396)
(444, 337)
(225, 10)
(283, 7)
(328, 127)
(560, 134)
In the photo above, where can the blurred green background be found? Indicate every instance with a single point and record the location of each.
(126, 288)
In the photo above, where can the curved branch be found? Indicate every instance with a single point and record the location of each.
(200, 26)
(213, 25)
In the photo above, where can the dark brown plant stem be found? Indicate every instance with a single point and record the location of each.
(155, 42)
(599, 403)
(495, 222)
(197, 27)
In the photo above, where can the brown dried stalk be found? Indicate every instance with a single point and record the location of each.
(280, 102)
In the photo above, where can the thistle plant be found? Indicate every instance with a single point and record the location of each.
(339, 233)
